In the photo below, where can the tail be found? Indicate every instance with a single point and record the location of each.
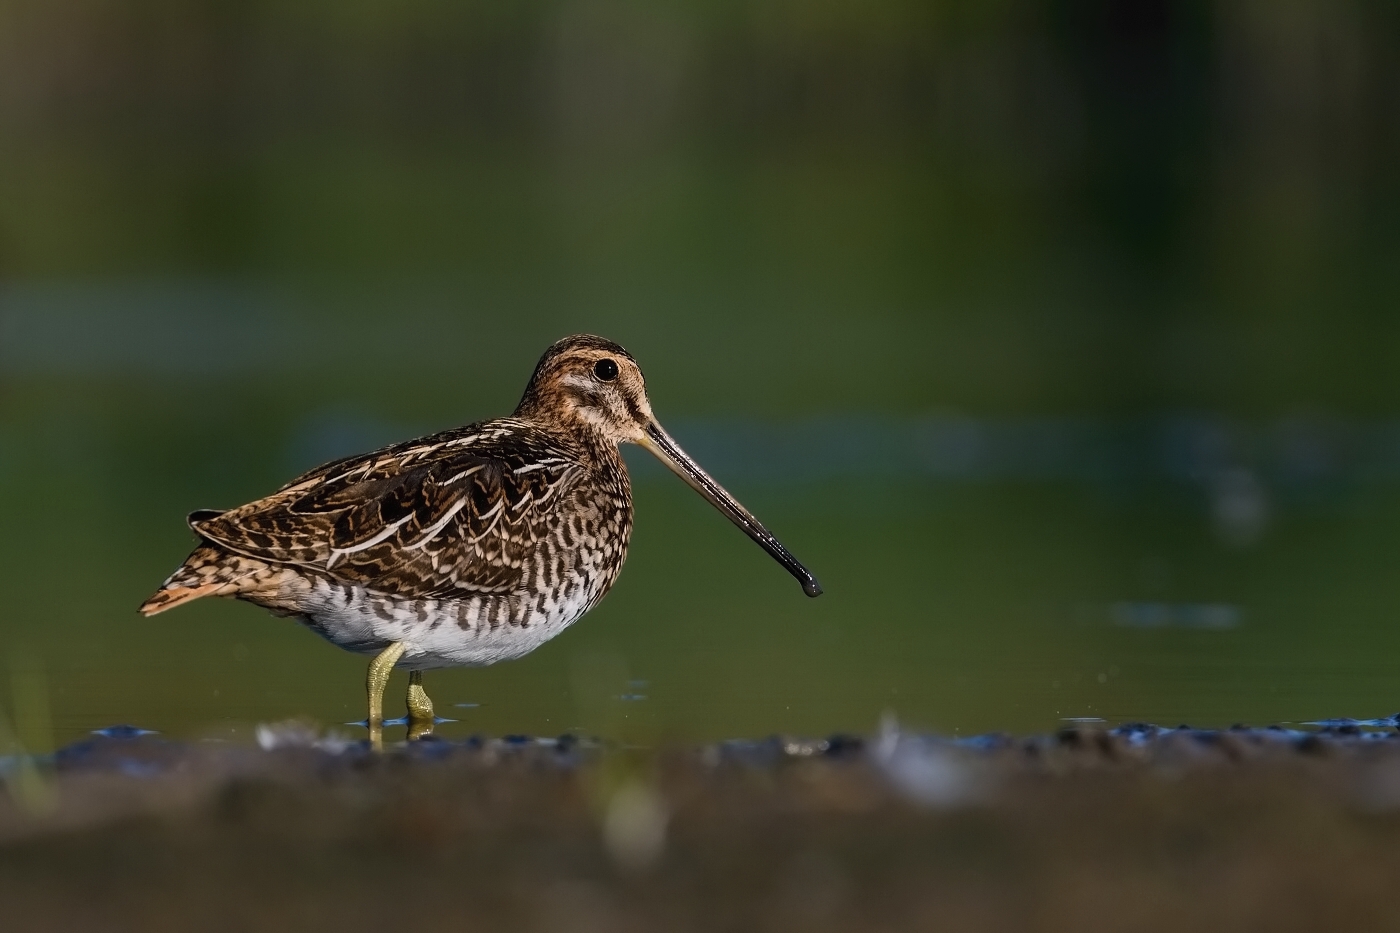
(206, 572)
(168, 597)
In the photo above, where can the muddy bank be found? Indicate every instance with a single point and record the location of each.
(1124, 830)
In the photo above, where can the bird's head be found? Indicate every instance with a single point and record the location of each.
(589, 382)
(586, 382)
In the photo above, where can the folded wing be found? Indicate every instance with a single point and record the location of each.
(451, 514)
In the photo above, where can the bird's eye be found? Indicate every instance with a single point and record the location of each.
(606, 370)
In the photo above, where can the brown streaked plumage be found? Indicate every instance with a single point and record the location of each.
(466, 547)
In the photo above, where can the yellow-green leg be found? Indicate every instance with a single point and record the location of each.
(420, 708)
(375, 682)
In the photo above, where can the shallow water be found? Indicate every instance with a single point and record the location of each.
(1004, 595)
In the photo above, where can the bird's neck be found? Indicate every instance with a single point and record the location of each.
(592, 445)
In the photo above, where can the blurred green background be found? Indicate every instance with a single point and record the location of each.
(1057, 338)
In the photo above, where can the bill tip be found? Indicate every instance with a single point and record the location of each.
(811, 587)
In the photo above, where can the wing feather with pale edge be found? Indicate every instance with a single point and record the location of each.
(454, 513)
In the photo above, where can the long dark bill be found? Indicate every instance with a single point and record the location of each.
(668, 452)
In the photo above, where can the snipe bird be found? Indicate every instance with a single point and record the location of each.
(463, 548)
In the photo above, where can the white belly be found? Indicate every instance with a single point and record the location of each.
(442, 633)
